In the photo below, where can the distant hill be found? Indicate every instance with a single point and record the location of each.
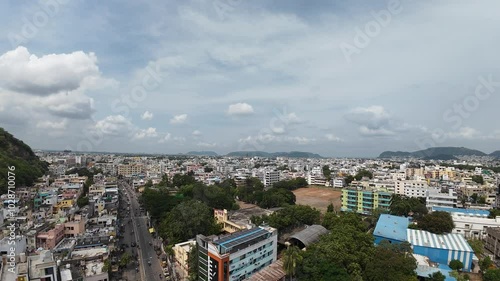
(291, 154)
(444, 157)
(495, 154)
(14, 152)
(437, 153)
(202, 153)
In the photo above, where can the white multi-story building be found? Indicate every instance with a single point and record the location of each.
(473, 226)
(411, 188)
(270, 177)
(434, 198)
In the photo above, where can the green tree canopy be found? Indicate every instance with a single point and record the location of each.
(291, 184)
(456, 265)
(436, 276)
(492, 275)
(478, 179)
(276, 197)
(437, 222)
(402, 263)
(180, 180)
(158, 202)
(292, 257)
(363, 173)
(186, 220)
(404, 206)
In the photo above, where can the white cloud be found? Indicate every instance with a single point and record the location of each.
(114, 125)
(196, 133)
(206, 144)
(21, 71)
(179, 119)
(332, 137)
(270, 138)
(147, 115)
(146, 133)
(240, 109)
(52, 125)
(166, 138)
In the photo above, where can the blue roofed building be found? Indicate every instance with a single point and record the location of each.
(391, 228)
(439, 249)
(479, 213)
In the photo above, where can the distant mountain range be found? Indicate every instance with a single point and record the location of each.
(203, 153)
(439, 153)
(292, 154)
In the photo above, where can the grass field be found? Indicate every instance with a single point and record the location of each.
(318, 197)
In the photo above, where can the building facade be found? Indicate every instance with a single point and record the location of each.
(237, 256)
(365, 201)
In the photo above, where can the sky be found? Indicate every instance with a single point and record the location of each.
(338, 78)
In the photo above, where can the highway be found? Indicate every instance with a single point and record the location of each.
(137, 230)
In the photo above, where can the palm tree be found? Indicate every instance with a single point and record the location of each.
(291, 257)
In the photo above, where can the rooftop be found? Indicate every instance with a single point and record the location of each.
(310, 234)
(484, 213)
(273, 272)
(447, 241)
(392, 227)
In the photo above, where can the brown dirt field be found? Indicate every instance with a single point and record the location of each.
(318, 197)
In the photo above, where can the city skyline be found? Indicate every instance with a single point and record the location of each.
(343, 79)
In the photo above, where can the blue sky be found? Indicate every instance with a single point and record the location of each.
(339, 78)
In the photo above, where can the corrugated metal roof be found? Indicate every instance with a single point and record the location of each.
(310, 235)
(450, 241)
(273, 272)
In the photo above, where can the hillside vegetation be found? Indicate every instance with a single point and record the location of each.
(14, 152)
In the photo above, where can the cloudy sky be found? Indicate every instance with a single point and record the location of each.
(339, 78)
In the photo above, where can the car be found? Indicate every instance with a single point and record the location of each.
(133, 244)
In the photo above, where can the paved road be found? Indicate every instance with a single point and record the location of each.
(149, 263)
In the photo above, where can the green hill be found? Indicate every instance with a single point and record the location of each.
(202, 153)
(14, 152)
(495, 154)
(437, 153)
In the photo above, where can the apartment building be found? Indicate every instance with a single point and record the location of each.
(128, 170)
(49, 239)
(271, 177)
(181, 254)
(365, 201)
(411, 188)
(492, 241)
(434, 198)
(237, 256)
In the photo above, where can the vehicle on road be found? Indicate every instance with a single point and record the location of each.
(133, 244)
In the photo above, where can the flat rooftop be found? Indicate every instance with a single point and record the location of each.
(446, 241)
(483, 213)
(392, 227)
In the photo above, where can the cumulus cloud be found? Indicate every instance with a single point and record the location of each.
(147, 115)
(271, 138)
(179, 119)
(166, 138)
(23, 72)
(240, 109)
(52, 125)
(146, 133)
(373, 120)
(332, 137)
(196, 133)
(206, 144)
(114, 125)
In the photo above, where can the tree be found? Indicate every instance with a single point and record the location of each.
(474, 197)
(404, 206)
(437, 222)
(478, 179)
(125, 260)
(477, 246)
(485, 263)
(492, 275)
(158, 202)
(348, 179)
(186, 220)
(82, 201)
(276, 197)
(363, 173)
(482, 200)
(208, 169)
(436, 276)
(180, 180)
(165, 181)
(193, 264)
(456, 265)
(149, 183)
(251, 191)
(327, 172)
(291, 184)
(331, 221)
(330, 208)
(293, 216)
(291, 258)
(403, 264)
